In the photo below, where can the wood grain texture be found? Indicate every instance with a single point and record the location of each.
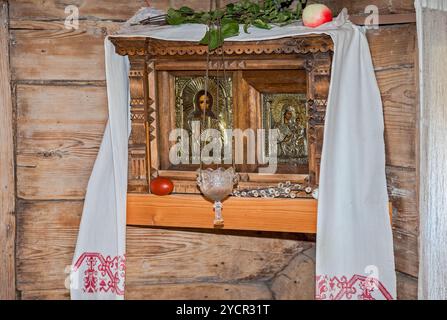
(402, 190)
(62, 54)
(392, 46)
(49, 40)
(162, 258)
(194, 211)
(110, 9)
(98, 9)
(59, 130)
(385, 19)
(55, 9)
(48, 230)
(398, 92)
(290, 81)
(208, 257)
(7, 184)
(200, 291)
(406, 252)
(54, 294)
(433, 155)
(180, 291)
(407, 287)
(296, 281)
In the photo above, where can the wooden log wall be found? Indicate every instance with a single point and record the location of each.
(7, 183)
(59, 98)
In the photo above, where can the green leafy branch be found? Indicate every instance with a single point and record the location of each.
(224, 23)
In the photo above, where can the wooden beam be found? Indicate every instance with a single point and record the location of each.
(194, 211)
(7, 186)
(385, 19)
(433, 155)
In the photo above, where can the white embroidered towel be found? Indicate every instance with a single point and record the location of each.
(355, 257)
(354, 241)
(98, 269)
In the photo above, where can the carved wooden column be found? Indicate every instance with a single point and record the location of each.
(138, 151)
(143, 158)
(152, 147)
(319, 73)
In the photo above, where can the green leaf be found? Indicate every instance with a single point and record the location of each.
(246, 25)
(174, 17)
(218, 14)
(254, 8)
(261, 14)
(271, 9)
(215, 40)
(186, 10)
(206, 39)
(281, 17)
(205, 18)
(230, 8)
(173, 12)
(230, 29)
(175, 21)
(245, 4)
(299, 10)
(261, 24)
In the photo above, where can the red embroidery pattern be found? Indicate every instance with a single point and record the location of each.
(360, 287)
(103, 274)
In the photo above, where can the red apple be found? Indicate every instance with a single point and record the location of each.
(161, 186)
(315, 15)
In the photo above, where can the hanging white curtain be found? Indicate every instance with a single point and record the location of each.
(432, 34)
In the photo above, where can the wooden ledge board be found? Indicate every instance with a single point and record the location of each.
(194, 211)
(386, 19)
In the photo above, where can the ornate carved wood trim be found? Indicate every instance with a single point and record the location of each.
(133, 46)
(233, 63)
(137, 46)
(152, 142)
(319, 71)
(138, 151)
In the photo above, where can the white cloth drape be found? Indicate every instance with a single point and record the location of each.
(432, 41)
(354, 242)
(98, 269)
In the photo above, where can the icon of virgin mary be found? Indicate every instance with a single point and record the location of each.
(286, 130)
(292, 135)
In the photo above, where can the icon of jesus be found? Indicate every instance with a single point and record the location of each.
(203, 104)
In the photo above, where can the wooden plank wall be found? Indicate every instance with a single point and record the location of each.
(7, 183)
(60, 101)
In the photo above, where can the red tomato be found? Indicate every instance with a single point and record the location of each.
(161, 186)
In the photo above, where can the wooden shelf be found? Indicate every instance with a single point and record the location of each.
(194, 211)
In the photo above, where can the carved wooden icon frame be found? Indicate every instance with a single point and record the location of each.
(153, 64)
